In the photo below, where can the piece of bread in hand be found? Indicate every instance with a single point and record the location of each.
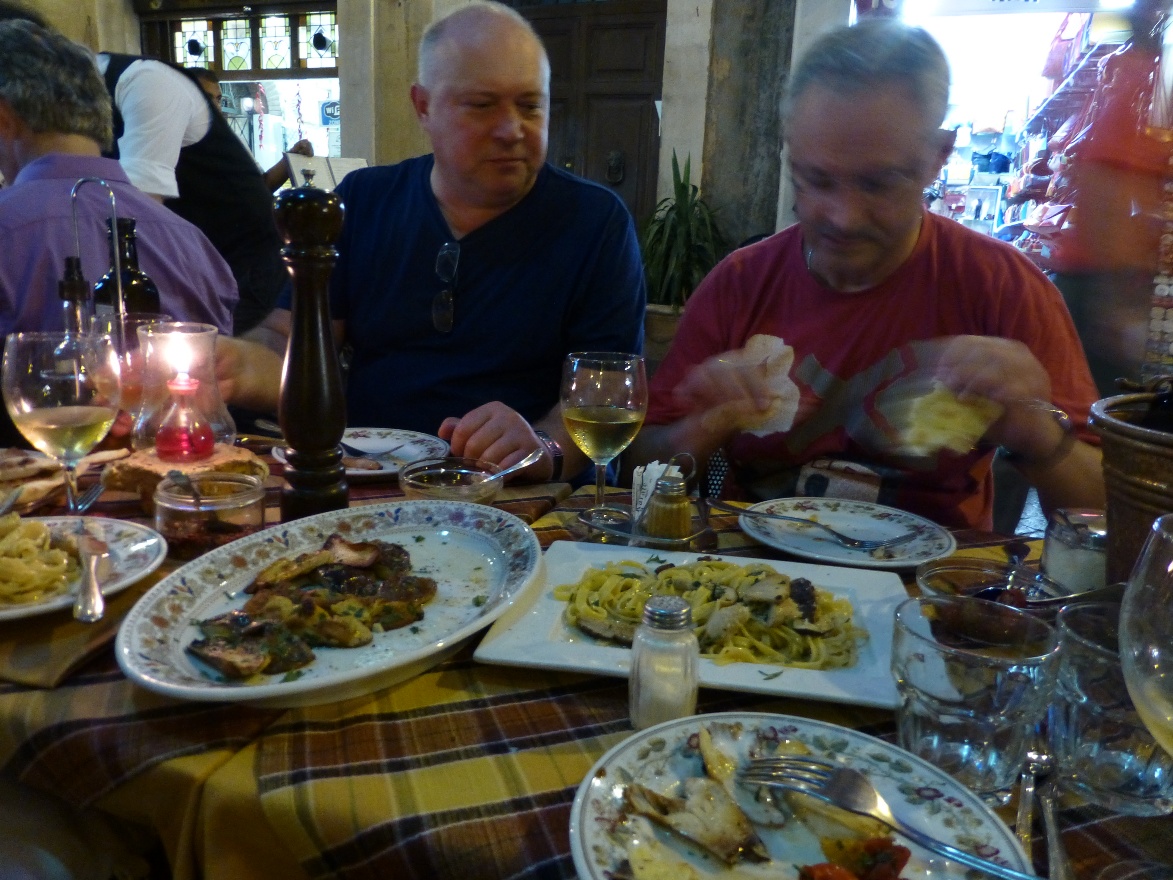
(777, 358)
(142, 471)
(939, 419)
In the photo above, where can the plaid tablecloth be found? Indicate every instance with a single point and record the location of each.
(467, 771)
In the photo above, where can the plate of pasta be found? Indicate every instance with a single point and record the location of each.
(39, 567)
(765, 626)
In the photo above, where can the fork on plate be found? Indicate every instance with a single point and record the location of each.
(845, 540)
(851, 790)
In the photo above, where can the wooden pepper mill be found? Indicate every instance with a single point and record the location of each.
(312, 406)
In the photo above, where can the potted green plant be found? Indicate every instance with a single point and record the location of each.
(681, 243)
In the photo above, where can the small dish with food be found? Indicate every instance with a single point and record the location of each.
(451, 479)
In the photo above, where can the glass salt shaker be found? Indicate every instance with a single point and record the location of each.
(1075, 549)
(664, 660)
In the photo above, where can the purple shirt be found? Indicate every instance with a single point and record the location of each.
(36, 228)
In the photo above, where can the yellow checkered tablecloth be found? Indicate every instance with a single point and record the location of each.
(466, 771)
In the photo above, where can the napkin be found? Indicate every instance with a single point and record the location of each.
(643, 484)
(42, 651)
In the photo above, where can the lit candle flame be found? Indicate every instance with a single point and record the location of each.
(179, 355)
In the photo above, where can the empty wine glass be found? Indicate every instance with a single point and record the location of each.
(604, 400)
(62, 394)
(1146, 633)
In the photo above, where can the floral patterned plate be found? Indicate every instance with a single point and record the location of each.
(858, 519)
(661, 757)
(135, 551)
(402, 447)
(481, 558)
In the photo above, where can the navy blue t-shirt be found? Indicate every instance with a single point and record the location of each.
(558, 272)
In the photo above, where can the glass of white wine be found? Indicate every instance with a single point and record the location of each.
(1146, 633)
(61, 391)
(604, 400)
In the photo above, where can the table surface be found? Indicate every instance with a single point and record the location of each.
(467, 770)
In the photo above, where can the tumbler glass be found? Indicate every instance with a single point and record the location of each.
(1103, 752)
(974, 678)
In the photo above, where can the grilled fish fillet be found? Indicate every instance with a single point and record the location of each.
(706, 815)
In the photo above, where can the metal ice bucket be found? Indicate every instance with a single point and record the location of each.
(1138, 476)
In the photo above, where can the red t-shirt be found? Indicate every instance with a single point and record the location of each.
(849, 347)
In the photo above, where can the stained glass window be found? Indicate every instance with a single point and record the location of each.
(236, 41)
(276, 46)
(317, 40)
(194, 46)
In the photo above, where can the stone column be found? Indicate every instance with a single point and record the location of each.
(375, 73)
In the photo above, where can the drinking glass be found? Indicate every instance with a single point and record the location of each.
(974, 678)
(1102, 750)
(604, 400)
(123, 331)
(62, 394)
(1146, 632)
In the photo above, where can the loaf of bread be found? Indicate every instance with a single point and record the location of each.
(142, 471)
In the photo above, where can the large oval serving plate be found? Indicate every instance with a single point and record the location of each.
(662, 757)
(402, 447)
(481, 558)
(135, 551)
(857, 519)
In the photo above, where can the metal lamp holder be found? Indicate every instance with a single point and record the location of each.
(113, 230)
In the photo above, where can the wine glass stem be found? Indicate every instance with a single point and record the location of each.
(71, 487)
(600, 484)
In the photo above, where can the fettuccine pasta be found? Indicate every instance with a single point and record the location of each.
(742, 613)
(30, 569)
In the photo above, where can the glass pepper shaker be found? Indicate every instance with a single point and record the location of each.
(664, 659)
(669, 514)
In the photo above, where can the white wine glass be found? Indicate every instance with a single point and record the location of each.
(604, 400)
(1146, 633)
(61, 391)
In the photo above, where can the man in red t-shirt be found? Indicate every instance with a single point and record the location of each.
(872, 293)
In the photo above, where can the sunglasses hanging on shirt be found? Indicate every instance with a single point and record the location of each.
(444, 305)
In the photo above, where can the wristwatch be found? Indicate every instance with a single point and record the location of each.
(555, 453)
(1061, 449)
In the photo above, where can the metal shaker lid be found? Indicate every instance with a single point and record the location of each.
(1080, 527)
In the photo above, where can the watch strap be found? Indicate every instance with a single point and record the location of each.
(555, 450)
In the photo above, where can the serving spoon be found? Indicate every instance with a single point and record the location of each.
(532, 458)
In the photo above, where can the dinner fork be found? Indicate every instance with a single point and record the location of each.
(87, 499)
(850, 790)
(845, 540)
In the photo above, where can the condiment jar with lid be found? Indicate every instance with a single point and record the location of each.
(1075, 549)
(664, 660)
(669, 514)
(200, 512)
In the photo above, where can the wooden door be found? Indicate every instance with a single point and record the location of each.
(606, 64)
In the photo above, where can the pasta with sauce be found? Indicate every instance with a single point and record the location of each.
(742, 613)
(30, 569)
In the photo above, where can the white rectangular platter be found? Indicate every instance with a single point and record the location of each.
(533, 633)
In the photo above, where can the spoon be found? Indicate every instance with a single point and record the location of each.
(90, 605)
(1038, 765)
(184, 482)
(1057, 859)
(532, 458)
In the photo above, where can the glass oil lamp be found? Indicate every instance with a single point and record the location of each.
(182, 414)
(185, 433)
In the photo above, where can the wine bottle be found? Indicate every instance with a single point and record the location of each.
(139, 293)
(76, 306)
